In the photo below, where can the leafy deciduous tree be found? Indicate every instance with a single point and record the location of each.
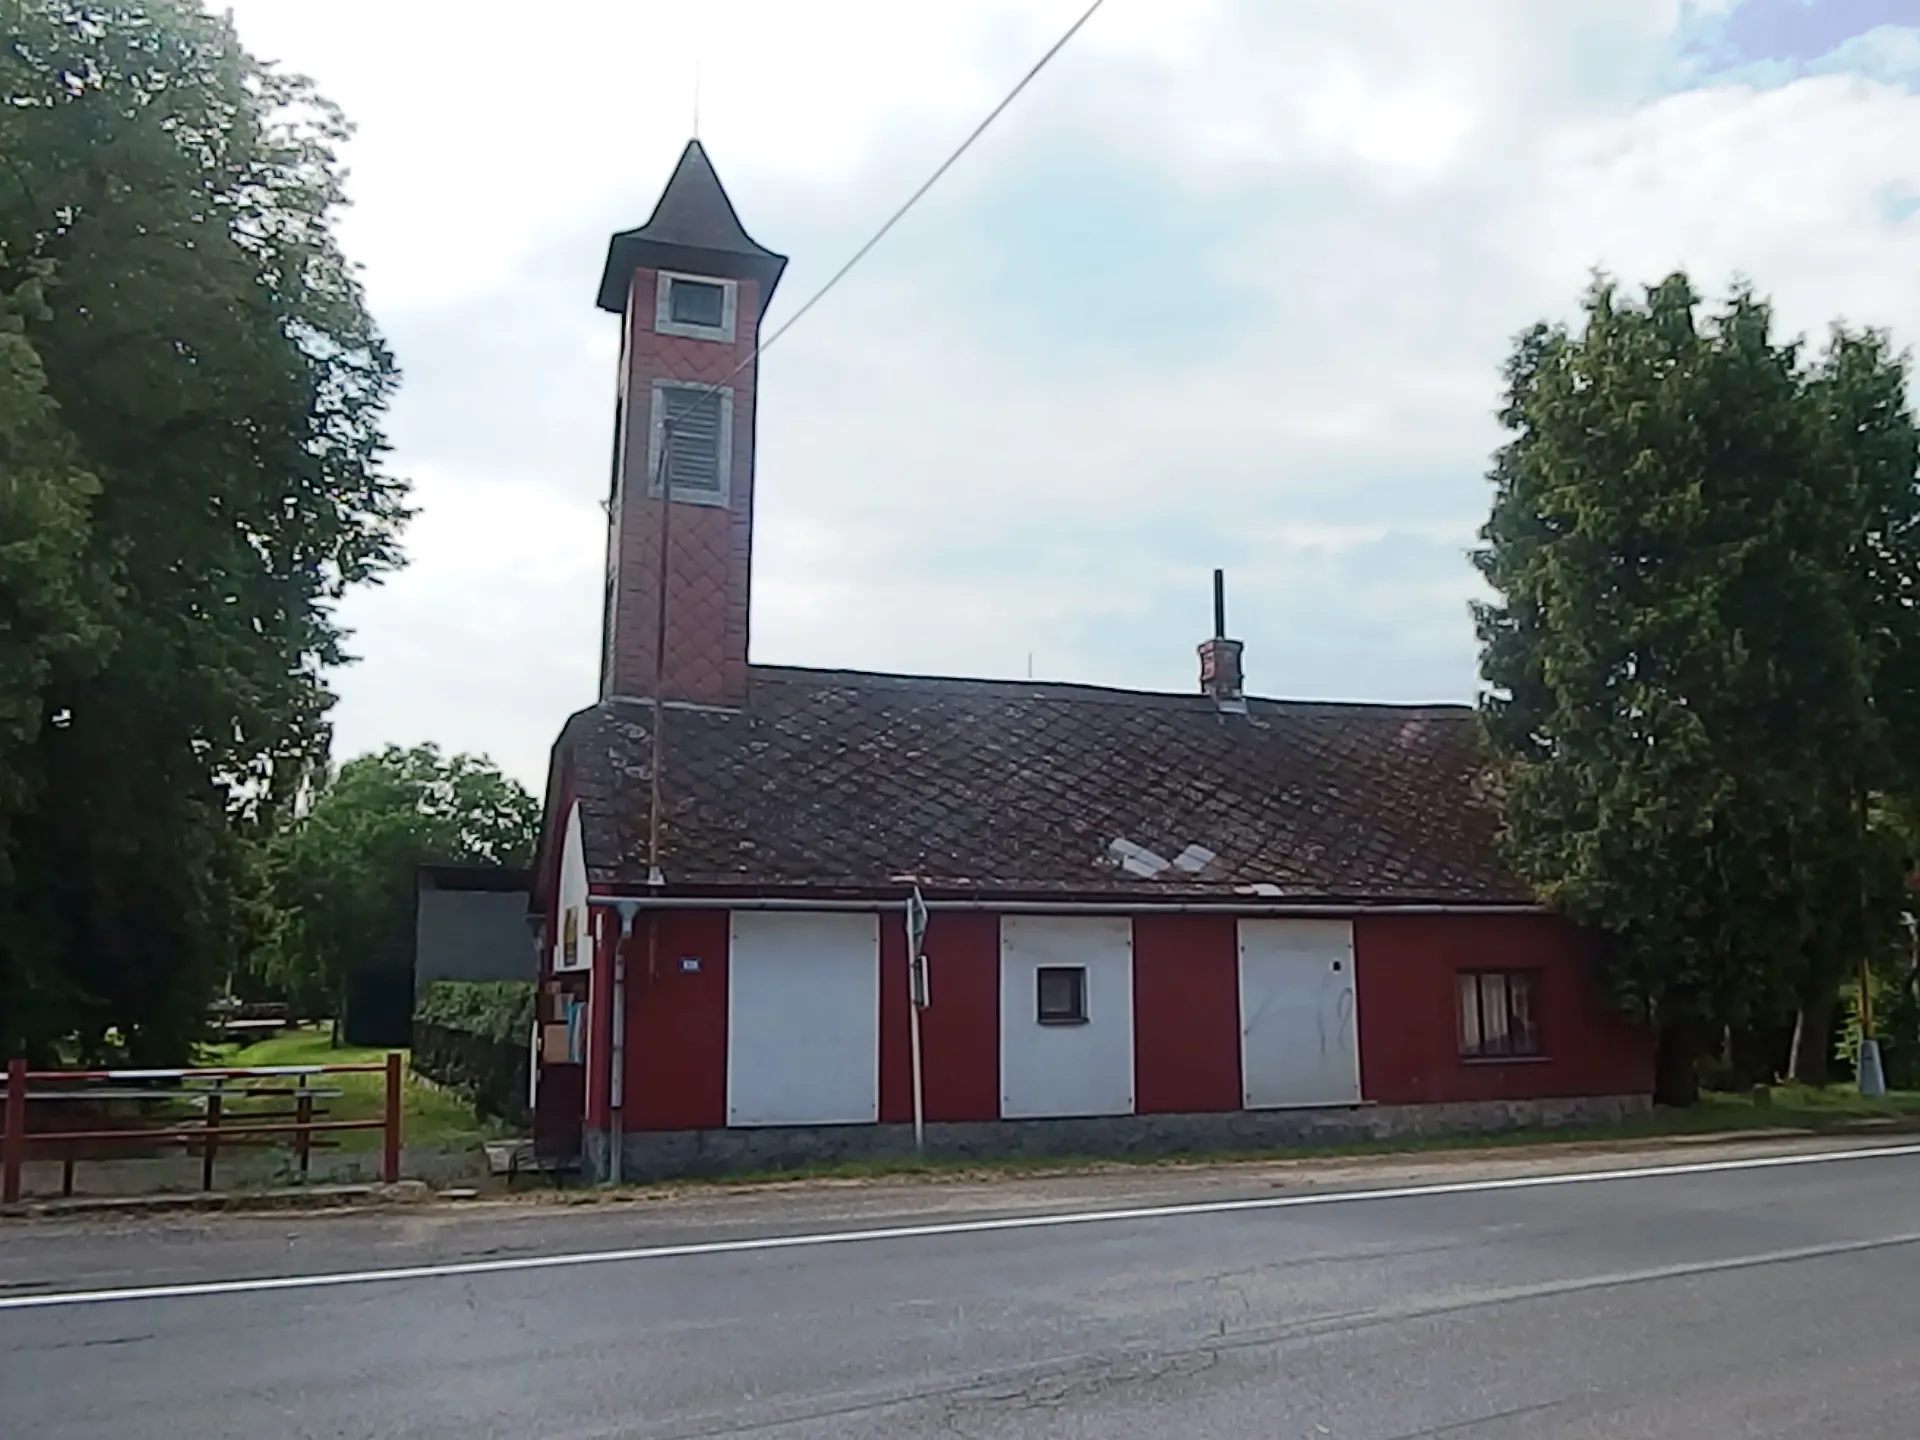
(209, 425)
(1702, 561)
(344, 872)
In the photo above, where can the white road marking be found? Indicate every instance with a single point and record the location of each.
(931, 1230)
(1614, 1279)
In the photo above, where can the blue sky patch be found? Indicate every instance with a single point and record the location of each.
(1772, 42)
(1807, 29)
(1082, 253)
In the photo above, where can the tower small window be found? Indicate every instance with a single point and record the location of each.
(1062, 994)
(695, 302)
(696, 306)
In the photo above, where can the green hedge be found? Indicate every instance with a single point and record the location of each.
(497, 1010)
(472, 1036)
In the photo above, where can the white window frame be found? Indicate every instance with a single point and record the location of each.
(656, 438)
(665, 324)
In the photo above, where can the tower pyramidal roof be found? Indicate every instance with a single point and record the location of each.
(692, 228)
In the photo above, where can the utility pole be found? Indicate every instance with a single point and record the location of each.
(616, 1082)
(1871, 1074)
(665, 481)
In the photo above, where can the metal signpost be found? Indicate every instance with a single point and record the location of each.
(917, 1001)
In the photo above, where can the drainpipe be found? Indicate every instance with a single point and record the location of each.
(617, 1081)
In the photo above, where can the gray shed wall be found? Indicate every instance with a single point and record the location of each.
(472, 935)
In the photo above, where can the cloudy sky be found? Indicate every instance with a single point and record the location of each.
(1230, 285)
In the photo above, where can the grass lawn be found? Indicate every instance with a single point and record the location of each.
(429, 1116)
(1780, 1107)
(1794, 1106)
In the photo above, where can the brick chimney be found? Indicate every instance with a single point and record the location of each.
(690, 287)
(1220, 672)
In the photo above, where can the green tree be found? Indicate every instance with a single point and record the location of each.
(1681, 666)
(217, 389)
(54, 603)
(1870, 448)
(344, 872)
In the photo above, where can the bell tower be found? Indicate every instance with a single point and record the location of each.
(690, 287)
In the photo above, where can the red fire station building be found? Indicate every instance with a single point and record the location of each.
(1153, 921)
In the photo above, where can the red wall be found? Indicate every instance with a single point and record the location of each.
(896, 1048)
(959, 1029)
(1405, 968)
(709, 574)
(677, 1024)
(1186, 1014)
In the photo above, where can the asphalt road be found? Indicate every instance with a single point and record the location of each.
(1770, 1301)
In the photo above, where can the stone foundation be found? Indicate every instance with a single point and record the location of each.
(661, 1155)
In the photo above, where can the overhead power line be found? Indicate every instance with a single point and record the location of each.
(662, 471)
(761, 347)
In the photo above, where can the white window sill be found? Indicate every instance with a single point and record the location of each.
(719, 334)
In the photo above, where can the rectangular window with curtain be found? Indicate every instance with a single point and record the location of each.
(1499, 1014)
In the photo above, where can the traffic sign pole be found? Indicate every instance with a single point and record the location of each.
(916, 1002)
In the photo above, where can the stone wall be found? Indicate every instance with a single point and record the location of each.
(660, 1155)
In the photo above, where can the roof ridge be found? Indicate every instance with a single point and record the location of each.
(1112, 694)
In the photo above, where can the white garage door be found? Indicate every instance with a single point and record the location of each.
(1297, 1029)
(803, 1019)
(1069, 1051)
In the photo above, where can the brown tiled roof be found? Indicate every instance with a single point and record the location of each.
(840, 781)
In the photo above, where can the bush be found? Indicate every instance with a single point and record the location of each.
(499, 1010)
(472, 1036)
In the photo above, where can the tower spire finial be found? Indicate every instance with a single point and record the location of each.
(696, 97)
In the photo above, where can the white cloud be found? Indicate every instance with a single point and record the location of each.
(483, 639)
(950, 476)
(1785, 185)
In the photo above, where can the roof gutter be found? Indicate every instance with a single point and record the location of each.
(1295, 909)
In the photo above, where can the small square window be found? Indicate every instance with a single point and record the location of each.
(695, 306)
(698, 302)
(1061, 993)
